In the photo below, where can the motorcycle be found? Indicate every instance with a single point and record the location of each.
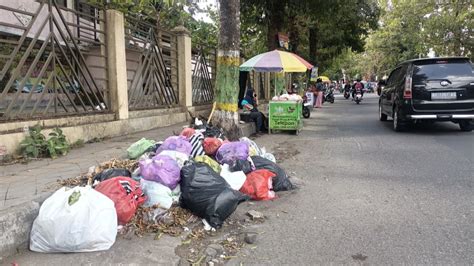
(307, 104)
(358, 96)
(329, 96)
(347, 94)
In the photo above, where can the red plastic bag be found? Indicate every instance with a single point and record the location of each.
(211, 145)
(259, 185)
(188, 132)
(126, 195)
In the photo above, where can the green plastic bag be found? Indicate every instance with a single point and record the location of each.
(209, 161)
(138, 148)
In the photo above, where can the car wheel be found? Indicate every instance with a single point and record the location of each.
(397, 126)
(382, 116)
(466, 126)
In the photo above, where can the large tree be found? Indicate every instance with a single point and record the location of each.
(228, 61)
(411, 29)
(318, 29)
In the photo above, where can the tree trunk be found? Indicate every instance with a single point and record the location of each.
(294, 34)
(313, 45)
(275, 22)
(228, 61)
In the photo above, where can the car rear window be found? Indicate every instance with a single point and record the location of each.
(441, 69)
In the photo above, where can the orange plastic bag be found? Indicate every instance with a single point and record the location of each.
(211, 145)
(126, 195)
(259, 185)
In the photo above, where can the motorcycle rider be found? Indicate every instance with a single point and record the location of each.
(347, 87)
(357, 86)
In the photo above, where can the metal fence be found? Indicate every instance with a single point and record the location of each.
(52, 60)
(151, 65)
(204, 75)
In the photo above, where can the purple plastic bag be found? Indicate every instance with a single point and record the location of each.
(162, 169)
(176, 143)
(232, 151)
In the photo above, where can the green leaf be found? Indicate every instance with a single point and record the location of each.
(74, 197)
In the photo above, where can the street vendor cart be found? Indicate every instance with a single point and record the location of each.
(283, 115)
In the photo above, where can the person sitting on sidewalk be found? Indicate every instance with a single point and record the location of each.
(249, 106)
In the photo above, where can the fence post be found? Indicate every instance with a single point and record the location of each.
(185, 71)
(117, 64)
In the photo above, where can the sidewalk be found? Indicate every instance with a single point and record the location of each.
(21, 183)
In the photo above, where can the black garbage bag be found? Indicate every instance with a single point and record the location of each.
(241, 165)
(207, 194)
(111, 172)
(280, 181)
(214, 132)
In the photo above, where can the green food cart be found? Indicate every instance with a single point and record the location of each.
(285, 115)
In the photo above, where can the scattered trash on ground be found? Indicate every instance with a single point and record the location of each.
(255, 215)
(359, 257)
(168, 187)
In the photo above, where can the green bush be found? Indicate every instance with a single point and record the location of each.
(35, 145)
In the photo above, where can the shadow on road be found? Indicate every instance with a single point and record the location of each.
(438, 128)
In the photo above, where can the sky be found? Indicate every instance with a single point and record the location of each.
(203, 4)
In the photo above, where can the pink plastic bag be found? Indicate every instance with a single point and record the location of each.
(232, 151)
(162, 169)
(188, 132)
(176, 143)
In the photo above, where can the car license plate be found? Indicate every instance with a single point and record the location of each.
(443, 96)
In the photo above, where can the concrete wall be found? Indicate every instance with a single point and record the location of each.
(32, 7)
(97, 126)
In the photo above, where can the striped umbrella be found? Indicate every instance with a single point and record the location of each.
(276, 61)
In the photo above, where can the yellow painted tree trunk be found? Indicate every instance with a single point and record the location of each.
(228, 61)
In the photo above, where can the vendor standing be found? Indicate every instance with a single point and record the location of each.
(249, 105)
(319, 93)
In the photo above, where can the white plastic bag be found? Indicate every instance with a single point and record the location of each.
(253, 147)
(157, 194)
(176, 193)
(235, 179)
(269, 157)
(179, 157)
(255, 150)
(74, 220)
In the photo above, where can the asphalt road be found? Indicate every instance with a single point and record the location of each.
(372, 195)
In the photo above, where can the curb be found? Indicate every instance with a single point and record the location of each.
(15, 225)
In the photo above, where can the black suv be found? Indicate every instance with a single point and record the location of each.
(430, 89)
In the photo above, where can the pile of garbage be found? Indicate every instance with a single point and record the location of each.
(197, 173)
